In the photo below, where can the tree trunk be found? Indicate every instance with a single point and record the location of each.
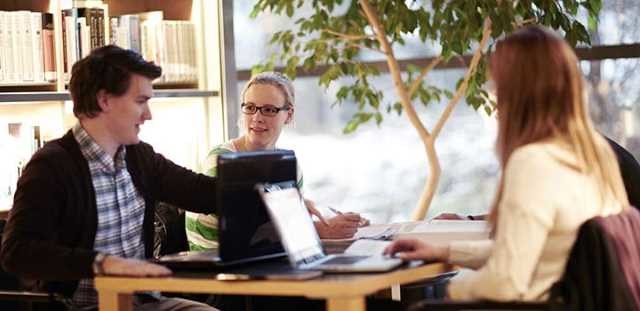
(428, 139)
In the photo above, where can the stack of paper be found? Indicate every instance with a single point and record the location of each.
(432, 231)
(443, 231)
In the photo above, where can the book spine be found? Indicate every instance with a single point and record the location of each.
(16, 47)
(3, 48)
(48, 47)
(192, 53)
(77, 36)
(113, 30)
(85, 37)
(36, 35)
(26, 41)
(92, 22)
(134, 32)
(100, 24)
(66, 43)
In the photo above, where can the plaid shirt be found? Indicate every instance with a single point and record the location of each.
(120, 208)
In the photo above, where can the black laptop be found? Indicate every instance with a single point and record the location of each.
(245, 231)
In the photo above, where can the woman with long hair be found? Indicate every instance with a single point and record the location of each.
(557, 172)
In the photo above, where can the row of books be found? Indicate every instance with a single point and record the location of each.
(169, 44)
(82, 31)
(27, 50)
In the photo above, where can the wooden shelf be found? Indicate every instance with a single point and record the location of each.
(14, 97)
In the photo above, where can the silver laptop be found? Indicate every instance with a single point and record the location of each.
(300, 239)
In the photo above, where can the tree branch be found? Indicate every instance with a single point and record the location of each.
(416, 83)
(486, 33)
(347, 36)
(366, 47)
(524, 22)
(394, 69)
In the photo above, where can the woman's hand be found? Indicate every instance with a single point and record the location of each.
(341, 226)
(450, 216)
(413, 249)
(311, 207)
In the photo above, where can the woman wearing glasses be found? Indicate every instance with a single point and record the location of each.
(268, 104)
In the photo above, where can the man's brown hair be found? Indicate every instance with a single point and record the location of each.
(107, 68)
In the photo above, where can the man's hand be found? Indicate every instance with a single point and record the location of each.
(341, 226)
(412, 249)
(114, 265)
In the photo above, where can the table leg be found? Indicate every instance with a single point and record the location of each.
(395, 292)
(109, 301)
(348, 303)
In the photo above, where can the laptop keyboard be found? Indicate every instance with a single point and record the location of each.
(344, 260)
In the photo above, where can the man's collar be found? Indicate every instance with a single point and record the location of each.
(93, 152)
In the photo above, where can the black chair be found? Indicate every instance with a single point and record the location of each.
(12, 297)
(170, 234)
(598, 276)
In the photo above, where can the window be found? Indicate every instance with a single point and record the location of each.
(380, 171)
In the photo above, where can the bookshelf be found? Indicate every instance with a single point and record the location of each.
(188, 117)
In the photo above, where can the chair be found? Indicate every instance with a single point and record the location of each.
(170, 235)
(603, 272)
(13, 298)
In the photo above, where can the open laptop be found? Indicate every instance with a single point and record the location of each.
(245, 231)
(300, 239)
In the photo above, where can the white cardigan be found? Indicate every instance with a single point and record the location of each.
(544, 202)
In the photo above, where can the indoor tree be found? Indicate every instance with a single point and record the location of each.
(332, 33)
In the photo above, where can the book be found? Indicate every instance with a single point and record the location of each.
(48, 47)
(36, 42)
(16, 34)
(25, 42)
(3, 48)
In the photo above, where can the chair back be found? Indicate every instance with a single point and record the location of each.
(170, 235)
(623, 231)
(602, 272)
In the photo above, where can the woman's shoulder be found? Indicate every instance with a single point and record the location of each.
(225, 147)
(544, 153)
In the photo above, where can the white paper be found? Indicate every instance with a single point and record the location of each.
(367, 247)
(374, 232)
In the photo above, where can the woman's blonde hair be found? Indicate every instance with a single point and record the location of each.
(276, 79)
(540, 95)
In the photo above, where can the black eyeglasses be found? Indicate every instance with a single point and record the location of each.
(267, 110)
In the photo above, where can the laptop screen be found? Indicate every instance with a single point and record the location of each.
(245, 228)
(294, 223)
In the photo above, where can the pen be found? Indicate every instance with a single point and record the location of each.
(335, 211)
(363, 221)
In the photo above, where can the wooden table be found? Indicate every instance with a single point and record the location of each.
(342, 291)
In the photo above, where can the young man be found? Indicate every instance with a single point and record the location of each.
(84, 205)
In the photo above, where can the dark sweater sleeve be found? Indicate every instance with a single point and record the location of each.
(30, 247)
(630, 171)
(179, 186)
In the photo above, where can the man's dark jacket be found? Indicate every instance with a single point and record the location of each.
(48, 240)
